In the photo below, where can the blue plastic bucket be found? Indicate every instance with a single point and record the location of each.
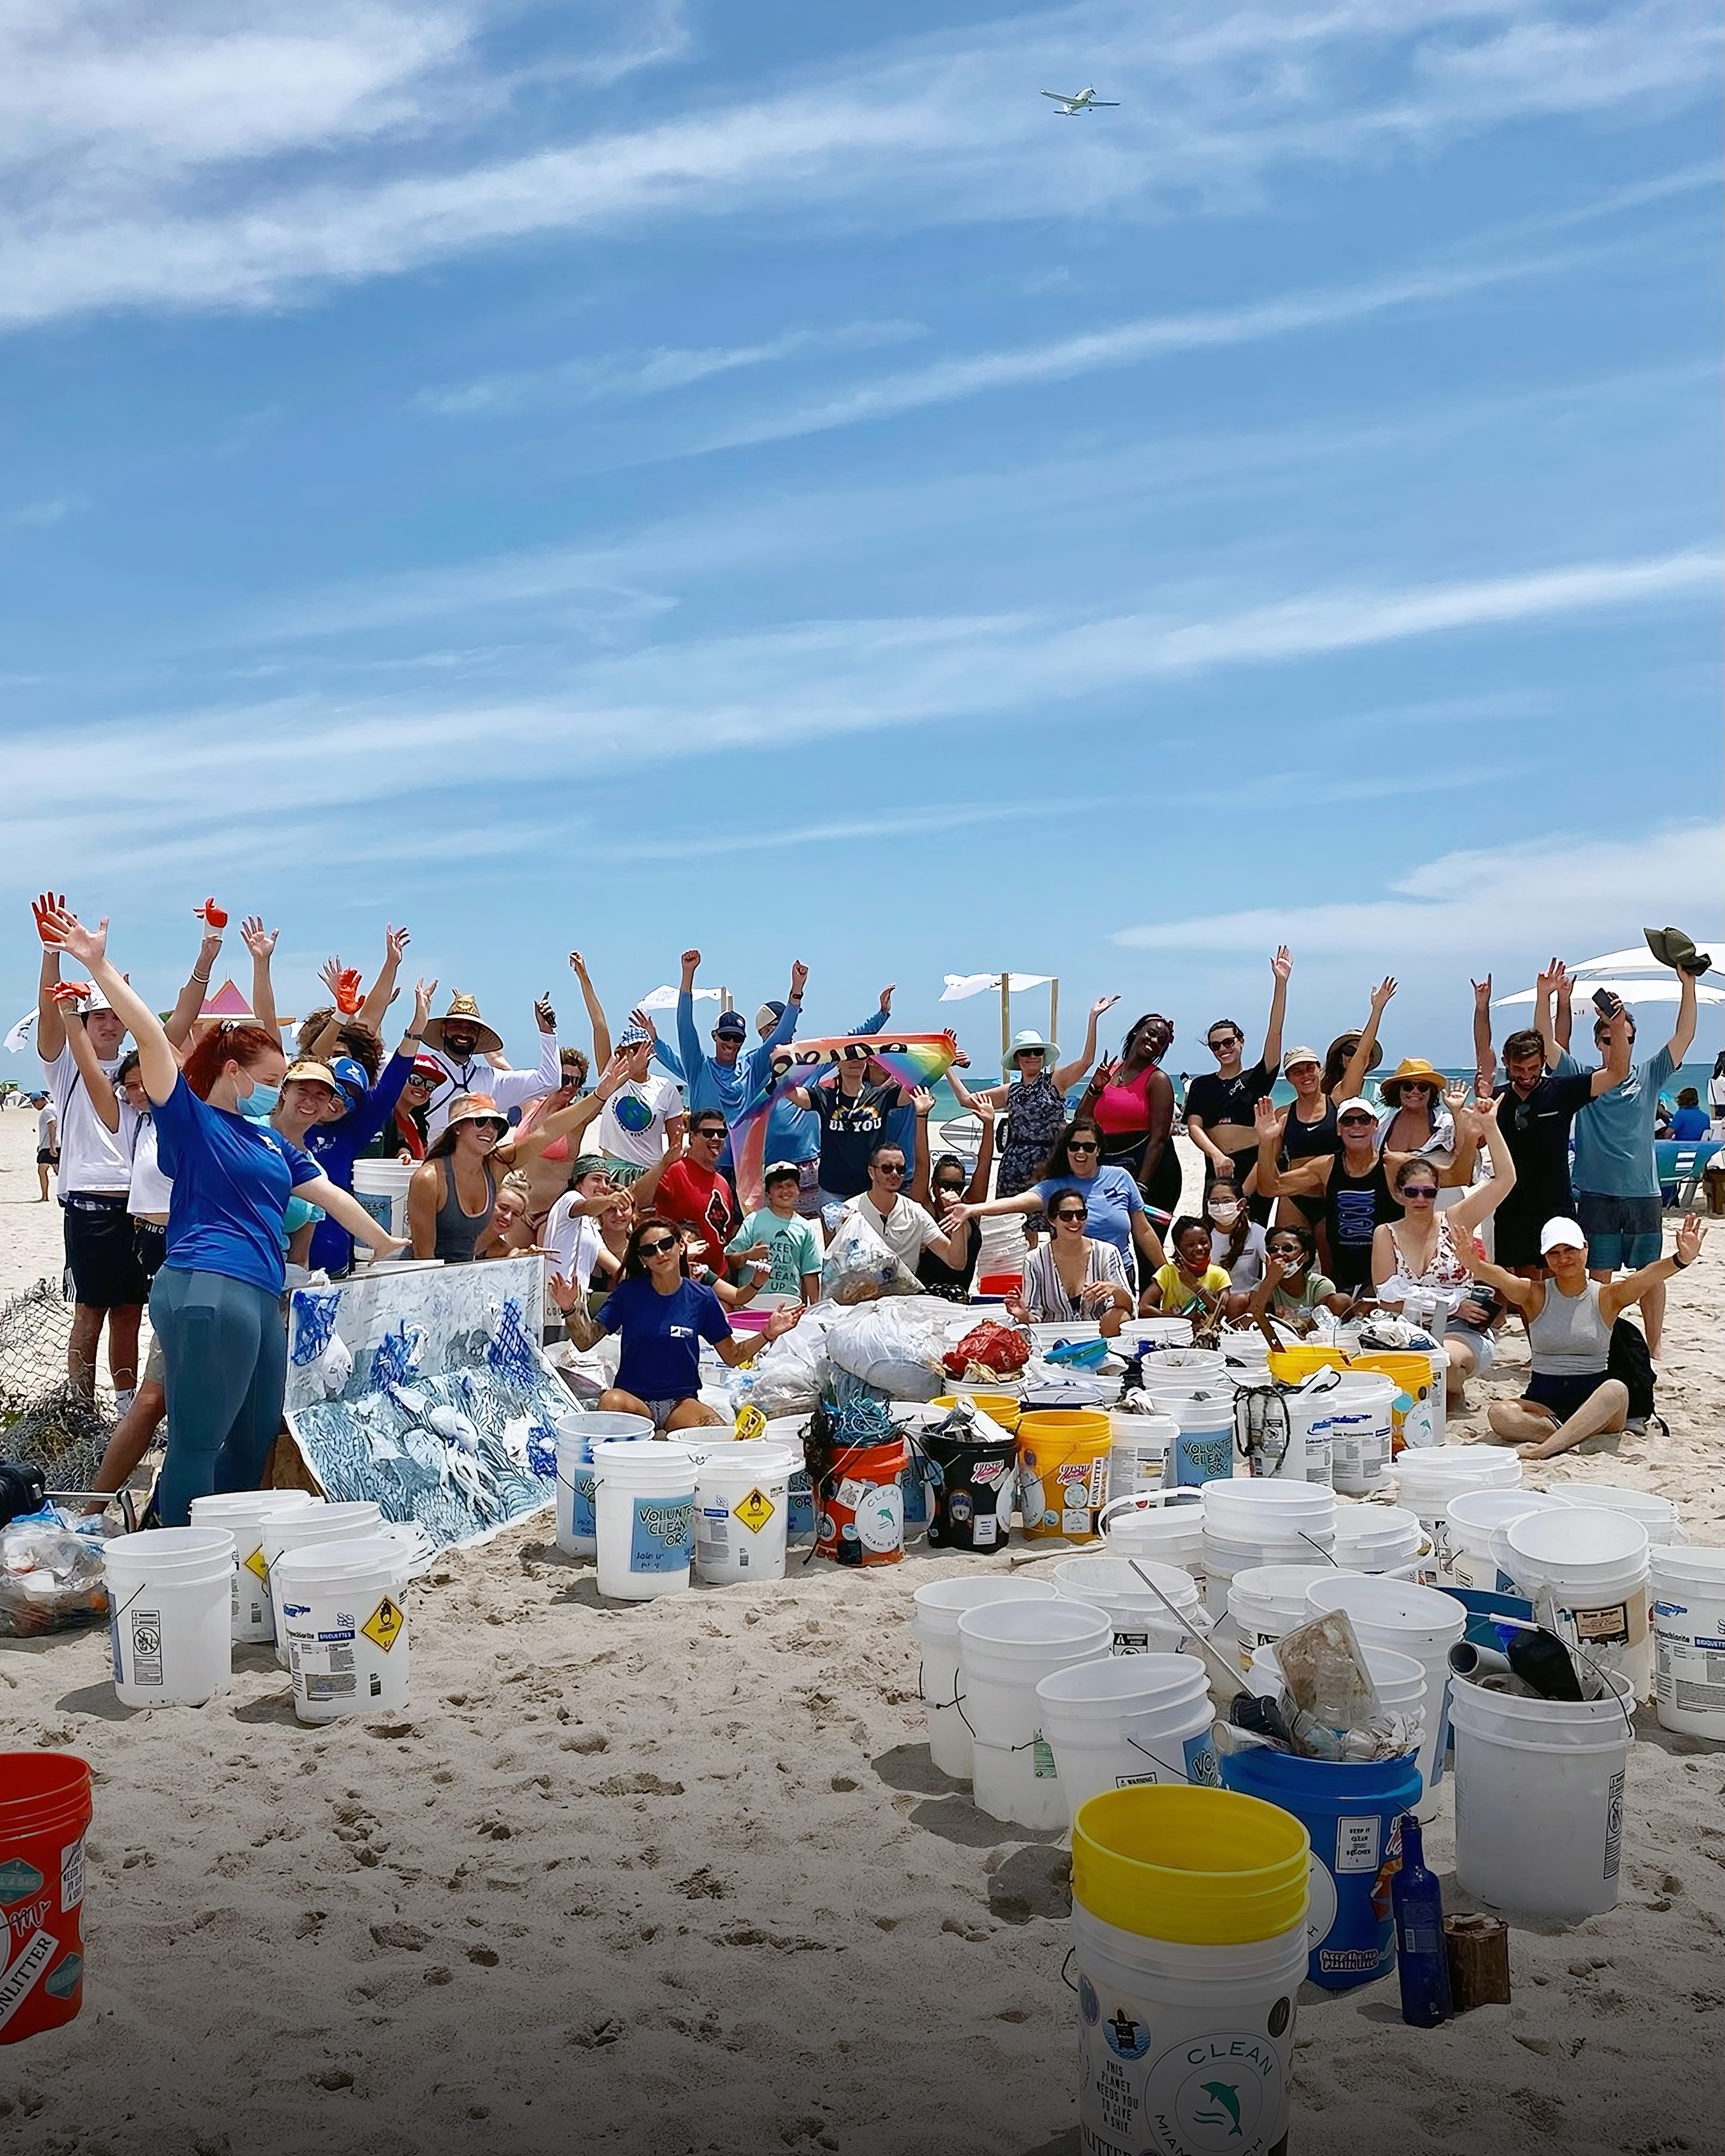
(1352, 1814)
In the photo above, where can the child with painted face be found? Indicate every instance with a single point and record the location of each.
(1190, 1280)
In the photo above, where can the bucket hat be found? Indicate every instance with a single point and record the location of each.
(1345, 1044)
(1673, 948)
(1030, 1038)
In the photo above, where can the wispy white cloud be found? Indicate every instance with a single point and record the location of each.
(649, 374)
(36, 516)
(1468, 906)
(210, 164)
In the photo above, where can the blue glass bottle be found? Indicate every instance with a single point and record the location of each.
(1422, 1959)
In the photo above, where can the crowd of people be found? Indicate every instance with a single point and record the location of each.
(195, 1169)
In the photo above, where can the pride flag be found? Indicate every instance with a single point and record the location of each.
(916, 1059)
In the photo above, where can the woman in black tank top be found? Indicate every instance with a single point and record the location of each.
(1350, 1184)
(1306, 1135)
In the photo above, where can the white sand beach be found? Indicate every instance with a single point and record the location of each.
(681, 1877)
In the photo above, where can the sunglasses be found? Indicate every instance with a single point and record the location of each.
(1419, 1190)
(709, 1134)
(1285, 1250)
(657, 1248)
(1356, 1119)
(889, 1168)
(417, 1085)
(1221, 1046)
(494, 1124)
(1417, 1086)
(1081, 1144)
(1019, 1053)
(1067, 1213)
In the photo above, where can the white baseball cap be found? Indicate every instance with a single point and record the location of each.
(1561, 1235)
(1358, 1106)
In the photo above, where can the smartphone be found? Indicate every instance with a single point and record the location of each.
(1605, 1003)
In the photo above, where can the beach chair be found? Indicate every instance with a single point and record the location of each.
(1679, 1166)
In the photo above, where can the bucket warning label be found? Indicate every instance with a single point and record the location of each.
(755, 1510)
(385, 1625)
(146, 1646)
(1614, 1827)
(256, 1564)
(1357, 1842)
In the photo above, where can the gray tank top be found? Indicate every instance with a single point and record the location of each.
(457, 1231)
(1570, 1338)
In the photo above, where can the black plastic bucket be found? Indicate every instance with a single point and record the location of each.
(972, 1484)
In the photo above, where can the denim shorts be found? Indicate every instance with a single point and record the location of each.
(1623, 1234)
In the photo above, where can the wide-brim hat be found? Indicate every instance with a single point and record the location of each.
(1030, 1038)
(1345, 1044)
(487, 1040)
(1410, 1066)
(312, 1072)
(475, 1107)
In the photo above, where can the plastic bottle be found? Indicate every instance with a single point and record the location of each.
(1422, 1959)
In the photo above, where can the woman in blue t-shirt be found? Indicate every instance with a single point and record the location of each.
(1114, 1204)
(663, 1317)
(215, 1303)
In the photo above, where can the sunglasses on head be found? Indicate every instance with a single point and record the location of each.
(657, 1248)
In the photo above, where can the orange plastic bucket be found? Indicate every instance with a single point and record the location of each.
(859, 1516)
(1063, 1472)
(45, 1814)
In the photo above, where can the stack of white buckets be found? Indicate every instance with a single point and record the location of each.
(324, 1583)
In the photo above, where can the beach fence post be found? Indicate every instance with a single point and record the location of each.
(1054, 1014)
(1006, 1022)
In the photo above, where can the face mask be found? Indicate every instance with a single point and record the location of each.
(1224, 1216)
(262, 1101)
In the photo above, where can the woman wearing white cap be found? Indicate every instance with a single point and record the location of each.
(1033, 1100)
(1571, 1394)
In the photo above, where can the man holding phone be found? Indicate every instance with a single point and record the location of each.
(1617, 1201)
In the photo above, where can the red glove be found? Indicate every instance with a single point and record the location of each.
(347, 996)
(71, 992)
(49, 902)
(210, 912)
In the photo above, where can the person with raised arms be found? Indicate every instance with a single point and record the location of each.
(1219, 1104)
(1130, 1104)
(1033, 1100)
(728, 1080)
(463, 1044)
(215, 1302)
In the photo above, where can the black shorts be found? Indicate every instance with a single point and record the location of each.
(47, 1157)
(1562, 1397)
(1516, 1224)
(101, 1256)
(149, 1243)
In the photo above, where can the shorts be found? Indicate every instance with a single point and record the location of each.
(149, 1243)
(46, 1156)
(662, 1411)
(1516, 1239)
(1484, 1346)
(101, 1256)
(155, 1369)
(1623, 1234)
(623, 1173)
(1562, 1397)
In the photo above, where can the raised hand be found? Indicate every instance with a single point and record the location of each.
(543, 1016)
(330, 973)
(922, 1101)
(1268, 1118)
(424, 991)
(1455, 1097)
(50, 903)
(1382, 994)
(62, 931)
(798, 979)
(1283, 962)
(885, 1001)
(578, 965)
(395, 941)
(1482, 994)
(1102, 1003)
(347, 995)
(644, 1020)
(615, 1073)
(211, 914)
(70, 992)
(563, 1292)
(1690, 1238)
(691, 962)
(259, 941)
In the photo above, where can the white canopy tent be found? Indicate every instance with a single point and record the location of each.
(959, 986)
(1636, 975)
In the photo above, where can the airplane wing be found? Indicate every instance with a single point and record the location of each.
(1060, 96)
(1097, 102)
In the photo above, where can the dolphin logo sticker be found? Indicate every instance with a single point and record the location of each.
(1227, 2097)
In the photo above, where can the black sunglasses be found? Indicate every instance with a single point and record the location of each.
(889, 1168)
(1070, 1213)
(1419, 1190)
(1081, 1144)
(657, 1248)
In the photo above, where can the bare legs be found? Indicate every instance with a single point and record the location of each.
(131, 1439)
(687, 1415)
(123, 1322)
(1541, 1436)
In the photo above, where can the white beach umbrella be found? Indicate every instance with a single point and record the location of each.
(1637, 976)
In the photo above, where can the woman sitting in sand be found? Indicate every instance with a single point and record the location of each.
(662, 1317)
(1073, 1276)
(1569, 1317)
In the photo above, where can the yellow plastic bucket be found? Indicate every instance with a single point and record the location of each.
(1416, 1400)
(1063, 1471)
(1199, 1867)
(1293, 1366)
(1003, 1408)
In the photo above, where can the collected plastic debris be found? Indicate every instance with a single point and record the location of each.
(991, 1349)
(1330, 1703)
(51, 1576)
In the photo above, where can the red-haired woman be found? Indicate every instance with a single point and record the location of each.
(215, 1304)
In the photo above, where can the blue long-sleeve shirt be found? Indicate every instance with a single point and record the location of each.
(335, 1146)
(730, 1088)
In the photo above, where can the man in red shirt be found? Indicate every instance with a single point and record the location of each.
(686, 1188)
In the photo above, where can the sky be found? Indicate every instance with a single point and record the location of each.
(641, 475)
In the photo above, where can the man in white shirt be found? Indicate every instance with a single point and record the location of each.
(907, 1228)
(94, 1176)
(48, 1151)
(462, 1042)
(642, 1116)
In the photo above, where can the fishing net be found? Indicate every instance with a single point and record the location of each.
(41, 1418)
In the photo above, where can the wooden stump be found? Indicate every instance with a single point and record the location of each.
(1478, 1948)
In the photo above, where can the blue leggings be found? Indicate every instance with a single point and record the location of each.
(224, 1354)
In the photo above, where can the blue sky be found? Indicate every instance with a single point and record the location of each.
(635, 476)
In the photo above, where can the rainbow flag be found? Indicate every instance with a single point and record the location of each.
(915, 1059)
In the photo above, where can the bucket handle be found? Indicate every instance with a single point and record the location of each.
(1328, 1556)
(937, 1706)
(1066, 1965)
(957, 1701)
(1178, 1773)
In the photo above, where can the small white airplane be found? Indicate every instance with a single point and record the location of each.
(1079, 100)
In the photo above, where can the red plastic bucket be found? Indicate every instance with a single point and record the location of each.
(860, 1507)
(44, 1814)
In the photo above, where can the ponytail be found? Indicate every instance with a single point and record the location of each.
(222, 1044)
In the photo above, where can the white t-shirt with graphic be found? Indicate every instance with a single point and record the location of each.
(631, 1124)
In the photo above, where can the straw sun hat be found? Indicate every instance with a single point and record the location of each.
(463, 1008)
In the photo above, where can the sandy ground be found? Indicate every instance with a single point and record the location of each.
(681, 1877)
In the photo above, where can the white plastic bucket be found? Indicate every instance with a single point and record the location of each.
(1658, 1515)
(1251, 1509)
(1539, 1798)
(1409, 1620)
(345, 1626)
(1246, 1356)
(1187, 2021)
(1225, 1559)
(1311, 1436)
(1596, 1565)
(1427, 1479)
(296, 1530)
(1005, 1649)
(787, 1431)
(1203, 1451)
(1141, 1624)
(169, 1591)
(1399, 1679)
(1359, 1422)
(1473, 1524)
(1267, 1600)
(243, 1512)
(934, 1624)
(742, 1507)
(1141, 1447)
(1163, 1527)
(1689, 1640)
(1378, 1538)
(1198, 1364)
(644, 1513)
(381, 1187)
(1123, 1722)
(577, 1435)
(1158, 1334)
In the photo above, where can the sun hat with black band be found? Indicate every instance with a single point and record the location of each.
(463, 1011)
(1412, 1069)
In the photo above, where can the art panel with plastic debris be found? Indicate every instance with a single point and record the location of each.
(426, 1391)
